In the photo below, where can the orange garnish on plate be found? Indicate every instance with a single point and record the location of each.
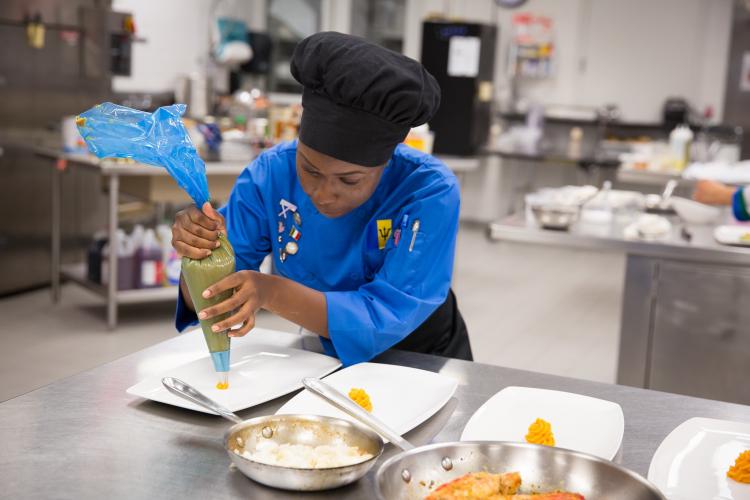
(540, 432)
(361, 397)
(740, 471)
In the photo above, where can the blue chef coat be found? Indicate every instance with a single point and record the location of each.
(741, 203)
(375, 296)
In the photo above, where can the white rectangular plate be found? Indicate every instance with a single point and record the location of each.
(732, 235)
(580, 423)
(259, 373)
(401, 397)
(693, 460)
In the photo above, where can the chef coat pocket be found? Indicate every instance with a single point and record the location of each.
(409, 271)
(373, 262)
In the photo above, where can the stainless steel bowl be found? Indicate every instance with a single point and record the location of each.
(559, 217)
(414, 474)
(310, 430)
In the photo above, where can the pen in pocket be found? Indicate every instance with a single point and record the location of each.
(414, 231)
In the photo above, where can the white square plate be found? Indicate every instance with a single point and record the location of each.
(733, 235)
(692, 461)
(580, 423)
(259, 373)
(401, 397)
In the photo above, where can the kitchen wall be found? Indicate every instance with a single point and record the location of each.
(29, 97)
(177, 34)
(634, 53)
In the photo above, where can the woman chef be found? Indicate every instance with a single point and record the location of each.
(362, 229)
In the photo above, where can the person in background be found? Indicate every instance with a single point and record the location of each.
(362, 228)
(716, 193)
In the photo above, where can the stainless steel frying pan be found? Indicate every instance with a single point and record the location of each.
(415, 472)
(311, 430)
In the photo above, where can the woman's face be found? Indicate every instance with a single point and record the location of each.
(335, 187)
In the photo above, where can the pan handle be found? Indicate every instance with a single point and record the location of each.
(187, 391)
(343, 403)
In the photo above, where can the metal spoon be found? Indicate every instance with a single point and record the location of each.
(186, 391)
(667, 193)
(343, 403)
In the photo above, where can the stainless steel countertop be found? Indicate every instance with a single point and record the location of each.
(84, 437)
(112, 166)
(593, 236)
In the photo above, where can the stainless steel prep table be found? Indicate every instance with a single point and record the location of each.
(84, 437)
(685, 326)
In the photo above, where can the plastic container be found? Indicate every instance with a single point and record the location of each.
(680, 140)
(94, 255)
(126, 265)
(150, 268)
(172, 263)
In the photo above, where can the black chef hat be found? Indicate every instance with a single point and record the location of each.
(360, 99)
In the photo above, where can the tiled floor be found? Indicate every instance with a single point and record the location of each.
(540, 308)
(543, 309)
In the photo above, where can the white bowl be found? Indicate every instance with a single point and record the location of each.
(693, 212)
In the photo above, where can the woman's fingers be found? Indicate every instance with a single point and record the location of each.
(234, 280)
(241, 316)
(187, 236)
(200, 218)
(222, 307)
(202, 232)
(214, 216)
(185, 250)
(244, 303)
(243, 293)
(248, 325)
(194, 234)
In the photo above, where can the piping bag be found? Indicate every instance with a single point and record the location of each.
(160, 139)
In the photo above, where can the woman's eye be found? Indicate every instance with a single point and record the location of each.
(349, 182)
(313, 174)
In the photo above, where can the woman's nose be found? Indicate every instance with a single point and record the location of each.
(325, 194)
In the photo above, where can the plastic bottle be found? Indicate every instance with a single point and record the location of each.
(149, 273)
(171, 261)
(94, 255)
(679, 143)
(125, 262)
(136, 237)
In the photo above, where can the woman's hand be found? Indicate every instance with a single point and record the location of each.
(195, 233)
(250, 294)
(713, 193)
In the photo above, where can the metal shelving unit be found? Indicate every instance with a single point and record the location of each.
(77, 274)
(111, 172)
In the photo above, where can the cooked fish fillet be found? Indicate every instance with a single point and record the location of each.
(476, 485)
(539, 496)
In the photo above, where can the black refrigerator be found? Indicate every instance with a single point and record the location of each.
(737, 96)
(461, 56)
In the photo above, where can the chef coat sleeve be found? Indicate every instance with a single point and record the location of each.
(247, 228)
(740, 204)
(409, 286)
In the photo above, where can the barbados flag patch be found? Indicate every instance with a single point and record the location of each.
(378, 233)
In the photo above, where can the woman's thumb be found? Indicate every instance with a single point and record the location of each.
(211, 213)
